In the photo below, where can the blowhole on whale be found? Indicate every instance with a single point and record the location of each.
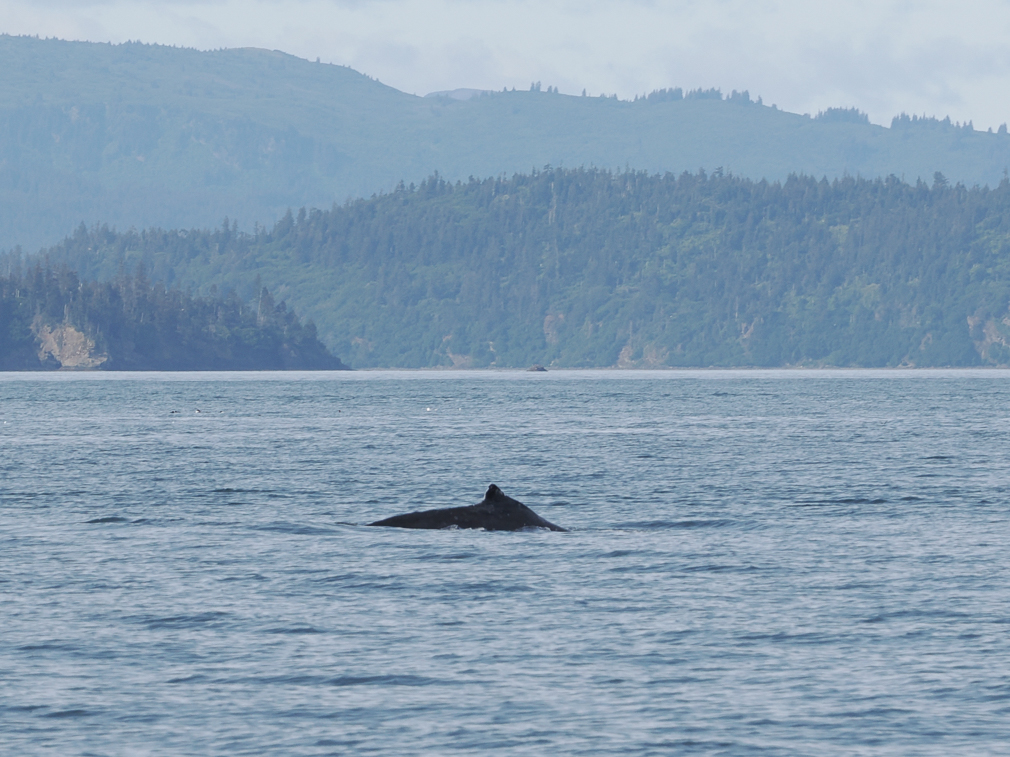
(496, 512)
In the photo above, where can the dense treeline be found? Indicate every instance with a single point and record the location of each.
(50, 319)
(591, 268)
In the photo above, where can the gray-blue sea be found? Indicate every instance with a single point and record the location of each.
(759, 563)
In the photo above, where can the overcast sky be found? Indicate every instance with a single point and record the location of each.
(884, 57)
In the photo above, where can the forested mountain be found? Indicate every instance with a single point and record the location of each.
(592, 268)
(49, 319)
(142, 135)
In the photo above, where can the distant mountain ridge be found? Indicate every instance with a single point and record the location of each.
(141, 135)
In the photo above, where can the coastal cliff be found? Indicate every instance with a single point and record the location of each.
(51, 320)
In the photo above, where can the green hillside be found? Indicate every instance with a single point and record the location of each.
(140, 135)
(50, 319)
(591, 268)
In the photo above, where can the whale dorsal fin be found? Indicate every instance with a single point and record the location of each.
(492, 492)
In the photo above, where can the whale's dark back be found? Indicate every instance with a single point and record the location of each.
(496, 512)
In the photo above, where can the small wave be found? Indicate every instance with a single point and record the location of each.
(900, 614)
(810, 637)
(997, 693)
(294, 528)
(187, 679)
(340, 681)
(250, 577)
(853, 585)
(659, 525)
(45, 645)
(184, 621)
(620, 553)
(869, 712)
(353, 581)
(386, 680)
(216, 523)
(720, 569)
(22, 707)
(107, 519)
(846, 501)
(294, 630)
(493, 587)
(68, 714)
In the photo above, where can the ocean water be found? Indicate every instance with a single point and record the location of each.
(760, 563)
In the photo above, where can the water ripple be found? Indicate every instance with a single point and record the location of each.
(759, 563)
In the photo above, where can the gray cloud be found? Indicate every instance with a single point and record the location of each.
(884, 57)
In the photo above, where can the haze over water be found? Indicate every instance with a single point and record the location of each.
(760, 563)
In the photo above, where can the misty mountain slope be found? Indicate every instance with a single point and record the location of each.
(144, 135)
(590, 268)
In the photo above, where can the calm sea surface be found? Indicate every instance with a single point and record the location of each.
(760, 563)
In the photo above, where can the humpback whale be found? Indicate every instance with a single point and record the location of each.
(496, 512)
